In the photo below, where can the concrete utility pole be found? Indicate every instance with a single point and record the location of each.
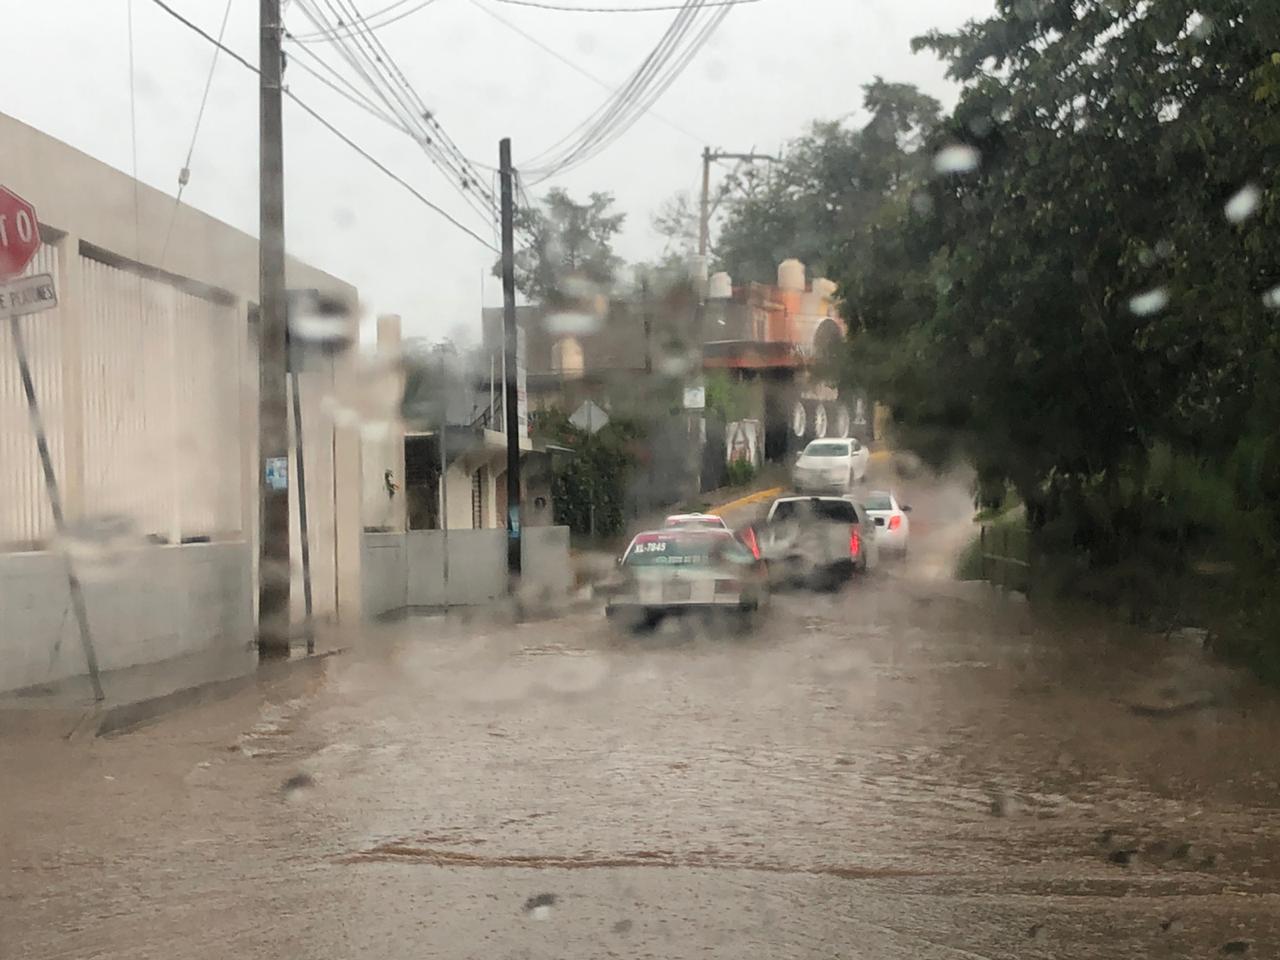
(709, 156)
(511, 414)
(696, 424)
(274, 571)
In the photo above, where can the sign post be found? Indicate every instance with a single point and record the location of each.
(19, 241)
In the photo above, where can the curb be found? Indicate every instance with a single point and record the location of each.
(744, 501)
(87, 722)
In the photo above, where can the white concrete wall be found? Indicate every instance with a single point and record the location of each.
(381, 509)
(408, 570)
(144, 605)
(458, 480)
(385, 570)
(84, 205)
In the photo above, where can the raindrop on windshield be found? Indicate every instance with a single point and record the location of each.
(1243, 204)
(957, 158)
(1152, 301)
(1271, 298)
(572, 323)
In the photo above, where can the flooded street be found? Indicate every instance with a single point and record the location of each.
(911, 768)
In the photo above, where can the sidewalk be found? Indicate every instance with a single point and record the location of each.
(65, 709)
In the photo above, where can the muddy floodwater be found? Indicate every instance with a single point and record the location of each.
(909, 768)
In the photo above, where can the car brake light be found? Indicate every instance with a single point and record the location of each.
(855, 542)
(895, 521)
(728, 586)
(749, 538)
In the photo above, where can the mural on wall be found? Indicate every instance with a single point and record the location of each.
(744, 440)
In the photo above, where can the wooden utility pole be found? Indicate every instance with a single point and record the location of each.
(274, 571)
(510, 359)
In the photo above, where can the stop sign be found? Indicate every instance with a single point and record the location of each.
(19, 234)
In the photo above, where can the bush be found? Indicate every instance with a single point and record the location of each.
(740, 473)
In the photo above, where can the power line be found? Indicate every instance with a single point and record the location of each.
(607, 110)
(321, 35)
(562, 8)
(328, 126)
(659, 70)
(577, 67)
(185, 173)
(369, 58)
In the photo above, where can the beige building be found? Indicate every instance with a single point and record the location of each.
(147, 378)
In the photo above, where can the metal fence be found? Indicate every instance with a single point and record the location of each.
(1005, 562)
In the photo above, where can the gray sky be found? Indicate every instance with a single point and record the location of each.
(772, 67)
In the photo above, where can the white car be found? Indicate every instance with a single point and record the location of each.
(893, 526)
(830, 466)
(697, 521)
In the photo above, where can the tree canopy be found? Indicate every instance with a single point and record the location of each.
(827, 186)
(566, 243)
(1093, 263)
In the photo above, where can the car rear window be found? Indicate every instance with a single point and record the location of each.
(711, 523)
(677, 548)
(827, 450)
(839, 511)
(878, 500)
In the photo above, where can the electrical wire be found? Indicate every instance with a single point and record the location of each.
(317, 116)
(564, 8)
(369, 58)
(615, 112)
(185, 174)
(604, 84)
(320, 36)
(664, 64)
(607, 110)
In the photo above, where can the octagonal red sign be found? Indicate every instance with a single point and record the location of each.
(19, 234)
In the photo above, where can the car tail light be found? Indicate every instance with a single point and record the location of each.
(855, 542)
(895, 521)
(749, 538)
(728, 586)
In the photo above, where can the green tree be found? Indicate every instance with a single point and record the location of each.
(1089, 265)
(828, 186)
(567, 246)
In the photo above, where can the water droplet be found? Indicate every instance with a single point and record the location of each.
(1271, 299)
(97, 545)
(957, 158)
(539, 907)
(1243, 204)
(571, 323)
(1152, 301)
(922, 204)
(298, 784)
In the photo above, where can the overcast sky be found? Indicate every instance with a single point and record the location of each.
(772, 67)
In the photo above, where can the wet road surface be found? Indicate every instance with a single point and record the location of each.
(909, 768)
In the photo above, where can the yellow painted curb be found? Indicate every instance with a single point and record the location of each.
(743, 501)
(879, 455)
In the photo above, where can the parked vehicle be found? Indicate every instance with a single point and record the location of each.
(830, 466)
(708, 521)
(893, 526)
(678, 571)
(817, 541)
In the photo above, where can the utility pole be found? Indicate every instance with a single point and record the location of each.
(511, 414)
(274, 571)
(709, 156)
(696, 426)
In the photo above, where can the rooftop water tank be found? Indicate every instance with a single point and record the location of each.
(824, 288)
(791, 275)
(720, 287)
